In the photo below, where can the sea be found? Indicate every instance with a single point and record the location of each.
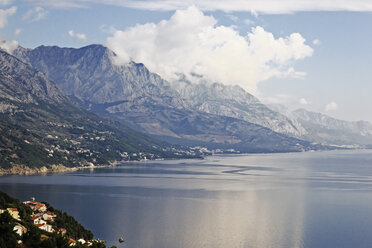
(307, 199)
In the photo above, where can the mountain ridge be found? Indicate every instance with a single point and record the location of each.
(235, 102)
(146, 102)
(42, 127)
(331, 130)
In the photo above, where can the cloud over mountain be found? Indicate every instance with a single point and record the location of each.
(8, 45)
(192, 43)
(78, 36)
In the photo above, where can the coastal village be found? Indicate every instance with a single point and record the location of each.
(43, 219)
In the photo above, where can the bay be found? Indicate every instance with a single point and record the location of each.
(311, 199)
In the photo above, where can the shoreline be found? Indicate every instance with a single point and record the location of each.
(22, 170)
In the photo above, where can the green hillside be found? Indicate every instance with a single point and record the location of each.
(32, 236)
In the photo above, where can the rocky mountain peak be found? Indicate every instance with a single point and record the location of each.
(31, 85)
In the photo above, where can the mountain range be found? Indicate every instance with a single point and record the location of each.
(42, 127)
(325, 129)
(211, 115)
(76, 106)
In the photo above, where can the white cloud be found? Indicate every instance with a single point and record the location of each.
(6, 2)
(316, 42)
(191, 43)
(65, 4)
(17, 32)
(8, 45)
(107, 29)
(35, 14)
(4, 14)
(303, 101)
(331, 106)
(291, 73)
(262, 6)
(78, 36)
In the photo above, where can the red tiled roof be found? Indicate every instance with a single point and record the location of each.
(72, 241)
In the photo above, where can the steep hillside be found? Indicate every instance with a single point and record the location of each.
(41, 126)
(35, 224)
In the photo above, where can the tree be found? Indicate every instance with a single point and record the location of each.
(8, 237)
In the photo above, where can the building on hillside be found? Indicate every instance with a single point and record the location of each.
(49, 216)
(19, 229)
(45, 227)
(38, 220)
(82, 241)
(36, 206)
(72, 242)
(14, 213)
(62, 231)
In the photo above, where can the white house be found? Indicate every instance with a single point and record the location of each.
(82, 241)
(38, 220)
(14, 213)
(19, 229)
(45, 227)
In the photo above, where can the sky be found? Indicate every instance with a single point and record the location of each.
(313, 54)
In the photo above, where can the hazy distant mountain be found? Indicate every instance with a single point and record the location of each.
(41, 126)
(145, 101)
(233, 101)
(325, 129)
(329, 130)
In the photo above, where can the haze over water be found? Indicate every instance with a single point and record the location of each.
(318, 199)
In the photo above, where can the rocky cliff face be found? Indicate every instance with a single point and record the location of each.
(90, 75)
(20, 83)
(191, 114)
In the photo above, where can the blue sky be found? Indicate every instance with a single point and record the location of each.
(328, 72)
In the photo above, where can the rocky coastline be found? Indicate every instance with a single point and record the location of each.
(23, 170)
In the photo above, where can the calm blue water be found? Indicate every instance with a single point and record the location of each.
(319, 199)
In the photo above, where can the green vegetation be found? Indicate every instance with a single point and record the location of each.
(35, 237)
(38, 135)
(8, 237)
